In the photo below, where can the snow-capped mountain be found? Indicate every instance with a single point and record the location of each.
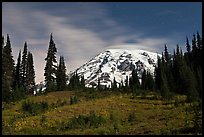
(118, 64)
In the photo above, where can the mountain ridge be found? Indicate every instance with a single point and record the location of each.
(118, 64)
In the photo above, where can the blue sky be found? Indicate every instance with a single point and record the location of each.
(83, 29)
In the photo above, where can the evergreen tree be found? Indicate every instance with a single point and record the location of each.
(188, 47)
(144, 79)
(98, 85)
(126, 83)
(17, 76)
(7, 71)
(158, 74)
(199, 41)
(31, 74)
(24, 74)
(50, 68)
(134, 80)
(61, 75)
(149, 82)
(194, 46)
(114, 85)
(166, 55)
(74, 82)
(164, 87)
(82, 82)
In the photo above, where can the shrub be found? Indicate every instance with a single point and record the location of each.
(34, 107)
(83, 121)
(74, 100)
(131, 117)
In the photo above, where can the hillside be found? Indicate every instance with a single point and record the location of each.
(106, 112)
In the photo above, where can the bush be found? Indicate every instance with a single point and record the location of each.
(131, 117)
(34, 107)
(83, 121)
(74, 100)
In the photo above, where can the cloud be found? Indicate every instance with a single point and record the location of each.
(78, 35)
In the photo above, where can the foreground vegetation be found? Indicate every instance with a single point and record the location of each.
(100, 113)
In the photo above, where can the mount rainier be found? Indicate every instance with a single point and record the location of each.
(118, 64)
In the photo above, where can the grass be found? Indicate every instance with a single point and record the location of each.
(122, 114)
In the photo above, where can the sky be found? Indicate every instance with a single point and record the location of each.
(81, 30)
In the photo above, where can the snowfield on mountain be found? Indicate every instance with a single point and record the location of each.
(118, 64)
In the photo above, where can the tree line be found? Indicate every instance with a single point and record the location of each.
(17, 80)
(178, 73)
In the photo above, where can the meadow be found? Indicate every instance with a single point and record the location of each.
(99, 113)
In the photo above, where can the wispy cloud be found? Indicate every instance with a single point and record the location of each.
(78, 35)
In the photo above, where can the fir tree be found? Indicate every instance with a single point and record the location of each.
(50, 67)
(7, 71)
(199, 41)
(61, 75)
(144, 79)
(74, 82)
(82, 82)
(188, 47)
(17, 76)
(166, 54)
(24, 73)
(114, 85)
(158, 74)
(149, 82)
(31, 74)
(164, 87)
(134, 80)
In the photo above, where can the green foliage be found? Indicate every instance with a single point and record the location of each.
(7, 71)
(74, 100)
(83, 121)
(31, 74)
(131, 117)
(61, 75)
(76, 83)
(193, 125)
(50, 68)
(34, 108)
(24, 74)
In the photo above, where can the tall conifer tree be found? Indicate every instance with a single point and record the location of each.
(50, 67)
(24, 73)
(61, 75)
(7, 70)
(31, 74)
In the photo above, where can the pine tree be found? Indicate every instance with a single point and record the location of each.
(149, 82)
(61, 75)
(31, 74)
(164, 87)
(166, 54)
(134, 80)
(74, 82)
(17, 76)
(98, 85)
(199, 41)
(114, 85)
(50, 68)
(158, 74)
(24, 73)
(7, 71)
(82, 82)
(188, 47)
(144, 80)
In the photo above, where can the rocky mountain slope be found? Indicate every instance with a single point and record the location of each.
(118, 64)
